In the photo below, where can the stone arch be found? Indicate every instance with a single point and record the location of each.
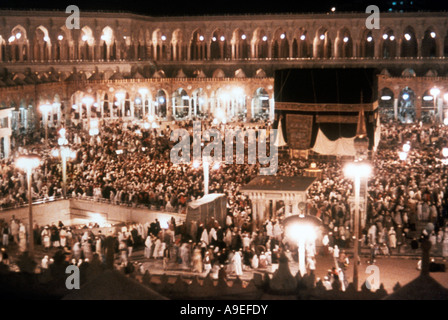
(108, 44)
(280, 44)
(322, 44)
(219, 73)
(17, 45)
(159, 41)
(218, 45)
(388, 44)
(198, 47)
(367, 45)
(178, 48)
(301, 45)
(260, 46)
(408, 72)
(429, 47)
(260, 104)
(86, 44)
(407, 112)
(181, 104)
(161, 99)
(240, 45)
(409, 47)
(386, 104)
(344, 44)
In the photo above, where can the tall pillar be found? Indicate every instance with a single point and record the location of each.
(396, 109)
(418, 107)
(6, 146)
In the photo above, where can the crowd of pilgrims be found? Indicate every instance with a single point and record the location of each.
(400, 195)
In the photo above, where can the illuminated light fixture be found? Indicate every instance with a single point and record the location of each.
(18, 35)
(124, 37)
(406, 147)
(143, 91)
(265, 38)
(385, 36)
(333, 9)
(282, 36)
(345, 39)
(445, 152)
(369, 39)
(222, 38)
(11, 39)
(146, 125)
(407, 36)
(428, 98)
(392, 38)
(322, 37)
(403, 155)
(60, 37)
(138, 101)
(214, 39)
(27, 163)
(243, 37)
(386, 98)
(357, 170)
(433, 34)
(215, 121)
(87, 101)
(405, 96)
(161, 100)
(46, 39)
(85, 38)
(435, 91)
(163, 38)
(201, 38)
(120, 95)
(302, 37)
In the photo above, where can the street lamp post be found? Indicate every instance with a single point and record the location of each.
(357, 170)
(28, 163)
(65, 153)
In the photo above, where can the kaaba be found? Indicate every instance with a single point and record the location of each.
(319, 109)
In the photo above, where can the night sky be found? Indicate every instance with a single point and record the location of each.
(202, 7)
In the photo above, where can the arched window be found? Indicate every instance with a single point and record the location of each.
(409, 43)
(389, 44)
(429, 44)
(406, 106)
(386, 105)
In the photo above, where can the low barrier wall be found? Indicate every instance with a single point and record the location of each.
(76, 211)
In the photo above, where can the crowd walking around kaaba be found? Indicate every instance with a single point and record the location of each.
(402, 196)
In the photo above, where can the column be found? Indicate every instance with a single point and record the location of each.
(440, 108)
(419, 47)
(249, 115)
(132, 109)
(6, 146)
(252, 196)
(395, 108)
(418, 107)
